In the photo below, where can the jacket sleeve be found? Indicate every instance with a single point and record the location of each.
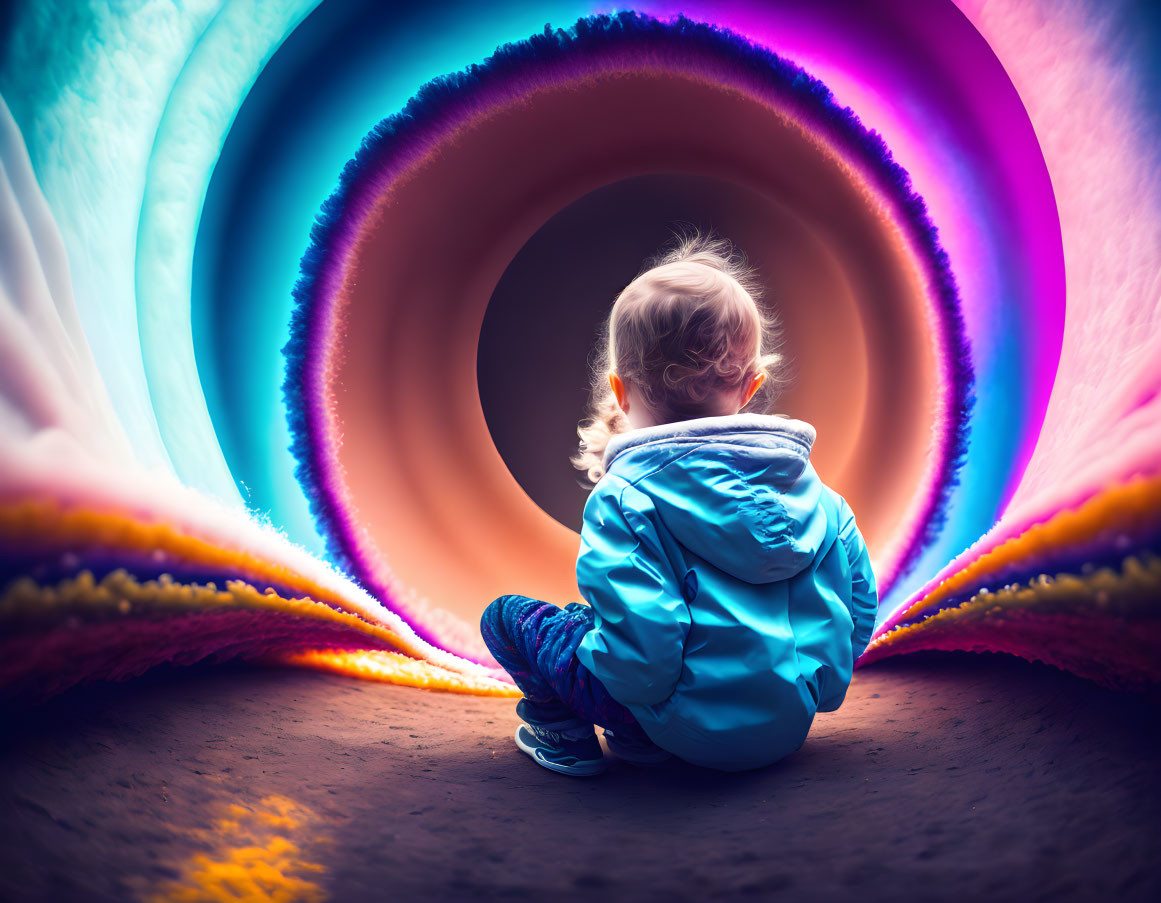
(637, 642)
(864, 592)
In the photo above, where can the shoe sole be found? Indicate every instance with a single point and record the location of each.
(531, 752)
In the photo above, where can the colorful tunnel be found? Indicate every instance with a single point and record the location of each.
(297, 339)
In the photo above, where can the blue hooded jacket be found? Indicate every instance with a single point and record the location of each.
(732, 590)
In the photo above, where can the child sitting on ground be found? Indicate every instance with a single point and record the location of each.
(729, 590)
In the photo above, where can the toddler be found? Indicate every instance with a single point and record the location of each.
(729, 590)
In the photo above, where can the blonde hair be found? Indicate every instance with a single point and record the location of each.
(686, 329)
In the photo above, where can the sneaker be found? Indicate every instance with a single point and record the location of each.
(634, 751)
(576, 751)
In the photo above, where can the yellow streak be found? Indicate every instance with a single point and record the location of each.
(396, 669)
(1122, 508)
(119, 594)
(252, 857)
(46, 523)
(1135, 588)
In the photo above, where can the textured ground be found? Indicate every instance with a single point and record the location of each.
(945, 777)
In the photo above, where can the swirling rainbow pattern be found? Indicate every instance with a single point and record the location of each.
(247, 253)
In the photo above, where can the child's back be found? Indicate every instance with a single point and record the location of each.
(731, 588)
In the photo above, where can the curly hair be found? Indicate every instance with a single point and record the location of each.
(688, 328)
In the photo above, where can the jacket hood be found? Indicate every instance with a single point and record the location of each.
(738, 490)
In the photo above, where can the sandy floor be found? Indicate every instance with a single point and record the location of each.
(948, 777)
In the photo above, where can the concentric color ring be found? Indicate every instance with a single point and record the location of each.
(392, 447)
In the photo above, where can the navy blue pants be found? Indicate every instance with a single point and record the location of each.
(536, 643)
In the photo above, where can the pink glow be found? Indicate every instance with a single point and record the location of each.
(1103, 423)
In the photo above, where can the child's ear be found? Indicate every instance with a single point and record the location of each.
(619, 391)
(755, 385)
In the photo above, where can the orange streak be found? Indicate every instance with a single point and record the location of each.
(1127, 508)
